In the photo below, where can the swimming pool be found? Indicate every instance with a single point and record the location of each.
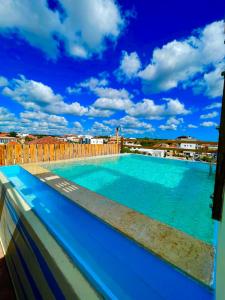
(174, 192)
(117, 267)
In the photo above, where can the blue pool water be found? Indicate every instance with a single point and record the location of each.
(174, 192)
(115, 265)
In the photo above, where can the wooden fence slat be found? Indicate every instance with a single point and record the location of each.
(62, 151)
(46, 152)
(33, 153)
(67, 151)
(51, 152)
(57, 152)
(2, 155)
(18, 154)
(10, 154)
(39, 152)
(25, 153)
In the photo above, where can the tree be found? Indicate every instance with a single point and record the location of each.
(13, 134)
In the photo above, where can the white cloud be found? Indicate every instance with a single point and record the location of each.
(130, 64)
(128, 122)
(3, 81)
(38, 96)
(78, 127)
(208, 124)
(172, 124)
(211, 115)
(84, 26)
(99, 129)
(179, 61)
(113, 103)
(211, 84)
(38, 115)
(27, 91)
(6, 115)
(192, 126)
(95, 112)
(214, 105)
(149, 110)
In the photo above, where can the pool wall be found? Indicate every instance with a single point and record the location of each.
(38, 266)
(220, 272)
(61, 251)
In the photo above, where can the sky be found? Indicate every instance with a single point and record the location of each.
(88, 66)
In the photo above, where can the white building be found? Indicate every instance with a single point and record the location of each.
(188, 146)
(91, 140)
(152, 152)
(7, 139)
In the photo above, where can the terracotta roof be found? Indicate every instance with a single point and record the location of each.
(13, 143)
(46, 140)
(4, 134)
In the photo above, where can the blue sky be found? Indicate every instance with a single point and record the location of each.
(87, 66)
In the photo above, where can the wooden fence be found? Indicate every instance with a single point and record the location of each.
(20, 154)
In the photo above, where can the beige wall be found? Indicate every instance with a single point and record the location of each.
(220, 263)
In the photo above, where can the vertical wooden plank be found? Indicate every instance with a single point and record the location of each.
(46, 152)
(86, 154)
(9, 154)
(67, 151)
(79, 150)
(105, 149)
(51, 152)
(18, 154)
(62, 151)
(25, 154)
(39, 152)
(75, 147)
(33, 153)
(57, 152)
(71, 146)
(2, 155)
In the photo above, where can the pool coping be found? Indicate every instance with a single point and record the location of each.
(191, 256)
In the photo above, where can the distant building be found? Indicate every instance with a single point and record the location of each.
(185, 138)
(188, 146)
(73, 139)
(93, 141)
(7, 139)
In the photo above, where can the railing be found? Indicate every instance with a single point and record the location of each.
(20, 154)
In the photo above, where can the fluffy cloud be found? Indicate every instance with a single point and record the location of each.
(211, 84)
(95, 112)
(38, 96)
(128, 122)
(3, 81)
(99, 129)
(77, 127)
(214, 105)
(5, 114)
(178, 62)
(172, 124)
(83, 26)
(208, 124)
(211, 115)
(113, 104)
(130, 64)
(192, 126)
(149, 110)
(38, 115)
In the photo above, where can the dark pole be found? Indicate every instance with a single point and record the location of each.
(218, 197)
